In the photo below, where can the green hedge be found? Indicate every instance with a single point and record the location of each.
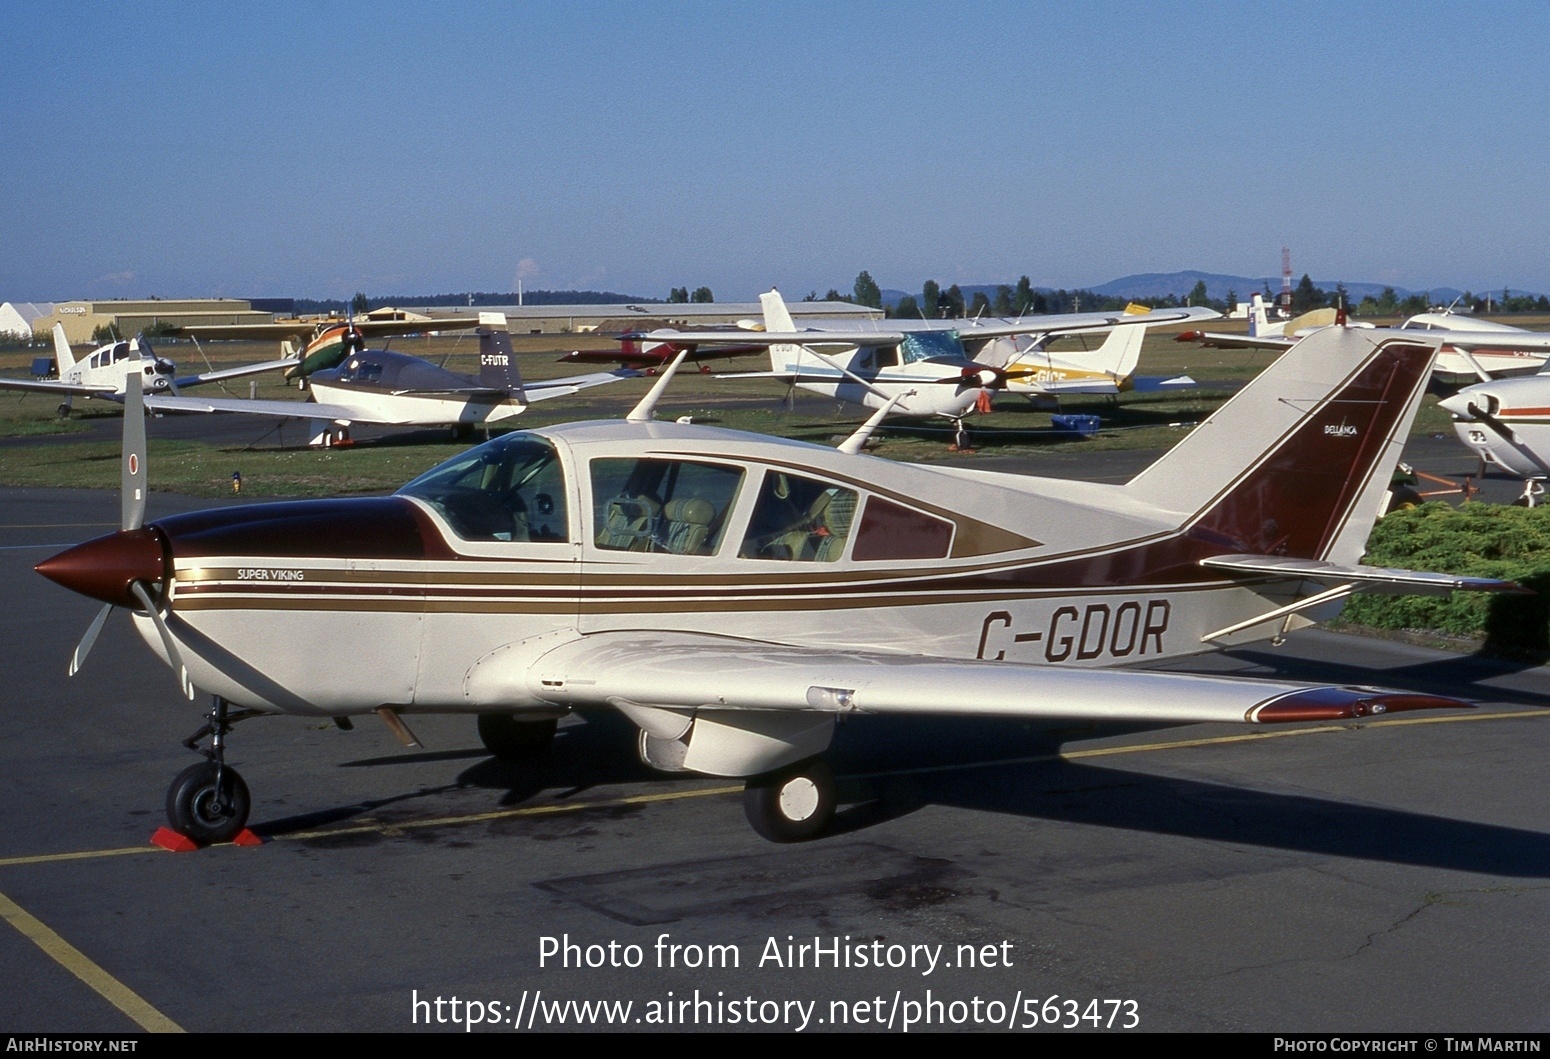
(1476, 540)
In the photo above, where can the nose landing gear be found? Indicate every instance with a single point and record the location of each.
(209, 802)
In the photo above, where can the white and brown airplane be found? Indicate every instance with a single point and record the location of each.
(734, 595)
(103, 373)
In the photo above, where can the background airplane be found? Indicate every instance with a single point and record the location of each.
(395, 389)
(1474, 349)
(103, 372)
(326, 343)
(1043, 376)
(635, 350)
(733, 595)
(1506, 422)
(904, 367)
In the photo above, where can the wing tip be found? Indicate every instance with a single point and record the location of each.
(1346, 704)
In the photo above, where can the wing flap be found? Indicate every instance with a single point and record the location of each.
(689, 671)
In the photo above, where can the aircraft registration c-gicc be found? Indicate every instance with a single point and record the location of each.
(734, 595)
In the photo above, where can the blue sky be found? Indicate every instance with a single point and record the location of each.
(317, 148)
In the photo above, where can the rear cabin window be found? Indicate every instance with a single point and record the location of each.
(890, 531)
(677, 507)
(799, 519)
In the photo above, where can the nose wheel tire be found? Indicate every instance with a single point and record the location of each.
(205, 808)
(792, 805)
(512, 740)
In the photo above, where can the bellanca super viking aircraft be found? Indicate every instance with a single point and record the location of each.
(395, 389)
(734, 595)
(908, 367)
(104, 372)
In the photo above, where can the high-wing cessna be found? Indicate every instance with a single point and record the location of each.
(1506, 422)
(395, 389)
(326, 343)
(1472, 349)
(734, 595)
(1044, 376)
(103, 372)
(908, 367)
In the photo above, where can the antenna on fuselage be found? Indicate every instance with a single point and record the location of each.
(646, 410)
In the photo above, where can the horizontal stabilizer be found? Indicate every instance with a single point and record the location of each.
(1371, 578)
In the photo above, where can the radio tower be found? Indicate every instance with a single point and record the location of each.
(1285, 301)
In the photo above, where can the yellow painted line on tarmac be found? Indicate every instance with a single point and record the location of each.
(714, 792)
(509, 814)
(76, 962)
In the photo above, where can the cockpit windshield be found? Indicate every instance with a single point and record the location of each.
(508, 489)
(923, 345)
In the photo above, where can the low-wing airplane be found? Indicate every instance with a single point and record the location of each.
(734, 595)
(103, 372)
(1472, 350)
(1506, 422)
(904, 367)
(327, 342)
(633, 350)
(395, 389)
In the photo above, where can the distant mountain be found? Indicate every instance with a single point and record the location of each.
(1179, 284)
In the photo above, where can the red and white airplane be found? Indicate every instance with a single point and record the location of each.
(735, 595)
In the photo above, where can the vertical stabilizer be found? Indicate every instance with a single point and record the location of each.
(1259, 325)
(778, 318)
(497, 362)
(1296, 464)
(62, 354)
(1120, 352)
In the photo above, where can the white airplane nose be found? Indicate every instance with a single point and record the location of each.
(1458, 404)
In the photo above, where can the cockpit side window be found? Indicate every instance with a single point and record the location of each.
(508, 489)
(799, 519)
(891, 531)
(678, 507)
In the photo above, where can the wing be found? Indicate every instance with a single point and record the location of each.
(693, 672)
(304, 328)
(547, 388)
(73, 389)
(1073, 323)
(280, 409)
(760, 339)
(1214, 340)
(234, 373)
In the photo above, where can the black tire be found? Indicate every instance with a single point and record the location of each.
(1403, 498)
(512, 740)
(196, 809)
(793, 804)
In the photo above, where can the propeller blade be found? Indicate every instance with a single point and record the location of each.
(131, 497)
(166, 637)
(83, 648)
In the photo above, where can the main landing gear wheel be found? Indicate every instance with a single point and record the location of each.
(793, 804)
(208, 803)
(512, 740)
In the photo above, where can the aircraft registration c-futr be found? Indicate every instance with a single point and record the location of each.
(735, 595)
